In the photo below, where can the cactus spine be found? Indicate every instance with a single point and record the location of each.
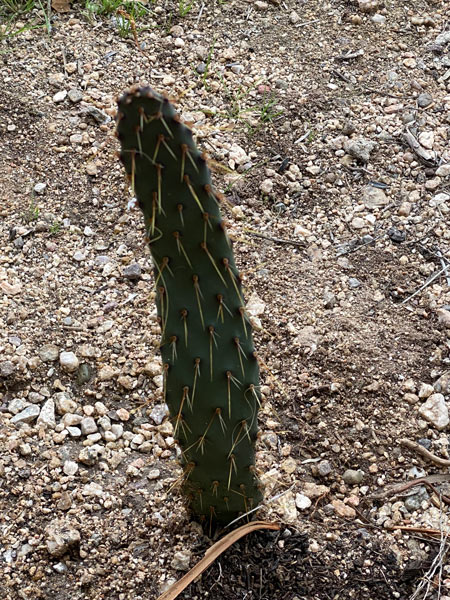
(211, 374)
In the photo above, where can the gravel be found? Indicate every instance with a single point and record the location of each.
(337, 145)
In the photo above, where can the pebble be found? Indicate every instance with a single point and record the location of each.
(75, 95)
(133, 272)
(266, 186)
(287, 508)
(435, 411)
(360, 148)
(70, 467)
(49, 353)
(40, 188)
(424, 100)
(294, 17)
(106, 373)
(302, 502)
(74, 432)
(442, 385)
(352, 477)
(89, 455)
(88, 425)
(60, 96)
(64, 403)
(343, 510)
(153, 474)
(92, 169)
(443, 170)
(313, 490)
(425, 390)
(16, 405)
(323, 468)
(47, 414)
(159, 412)
(123, 414)
(181, 560)
(60, 538)
(443, 316)
(29, 414)
(68, 361)
(358, 223)
(7, 368)
(374, 197)
(426, 139)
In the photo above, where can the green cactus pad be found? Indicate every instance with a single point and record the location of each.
(211, 375)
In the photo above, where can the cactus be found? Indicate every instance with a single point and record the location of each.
(210, 370)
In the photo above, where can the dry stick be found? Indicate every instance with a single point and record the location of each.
(402, 487)
(443, 462)
(212, 553)
(426, 284)
(445, 264)
(276, 240)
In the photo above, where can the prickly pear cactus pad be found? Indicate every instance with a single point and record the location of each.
(211, 374)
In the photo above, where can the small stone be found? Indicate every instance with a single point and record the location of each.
(106, 373)
(25, 449)
(7, 368)
(352, 477)
(313, 490)
(88, 425)
(179, 42)
(411, 63)
(201, 68)
(49, 353)
(16, 405)
(358, 223)
(117, 430)
(92, 169)
(65, 501)
(426, 139)
(85, 373)
(100, 408)
(266, 186)
(68, 361)
(89, 455)
(255, 306)
(181, 560)
(126, 382)
(324, 468)
(435, 411)
(425, 390)
(123, 414)
(60, 538)
(294, 17)
(443, 316)
(404, 209)
(442, 385)
(302, 502)
(70, 467)
(40, 188)
(64, 403)
(286, 507)
(56, 79)
(152, 368)
(374, 197)
(47, 414)
(360, 148)
(159, 413)
(260, 5)
(424, 100)
(307, 338)
(342, 510)
(60, 96)
(353, 283)
(443, 170)
(153, 474)
(29, 414)
(74, 432)
(133, 272)
(396, 235)
(411, 398)
(75, 95)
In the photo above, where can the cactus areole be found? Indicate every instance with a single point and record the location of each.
(210, 371)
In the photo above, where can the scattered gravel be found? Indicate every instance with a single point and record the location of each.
(333, 154)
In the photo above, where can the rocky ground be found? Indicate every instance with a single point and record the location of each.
(328, 128)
